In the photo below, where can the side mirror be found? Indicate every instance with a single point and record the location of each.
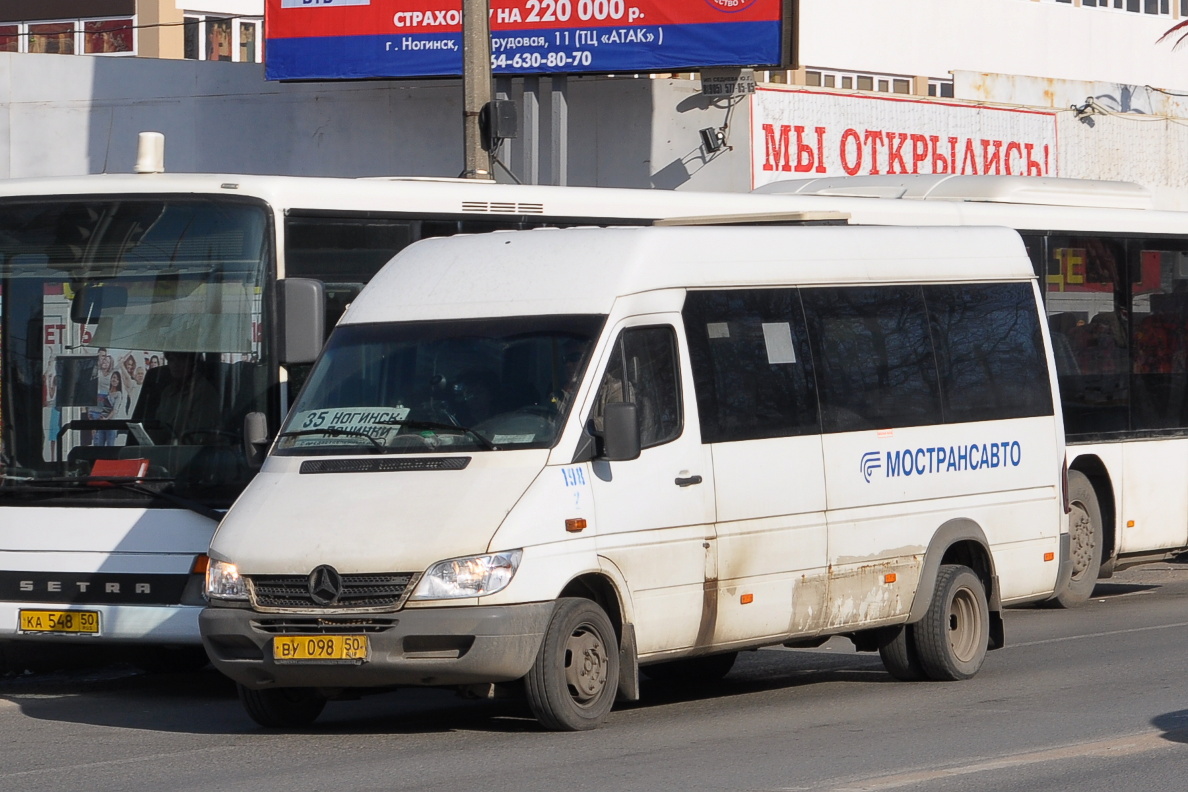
(303, 320)
(620, 432)
(255, 438)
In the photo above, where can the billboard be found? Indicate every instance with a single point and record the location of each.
(360, 39)
(805, 134)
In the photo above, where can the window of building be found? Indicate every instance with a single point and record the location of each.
(52, 37)
(222, 39)
(247, 42)
(1156, 7)
(940, 88)
(10, 38)
(107, 36)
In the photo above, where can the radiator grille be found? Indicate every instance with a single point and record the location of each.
(359, 592)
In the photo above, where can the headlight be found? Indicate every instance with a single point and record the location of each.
(223, 581)
(473, 576)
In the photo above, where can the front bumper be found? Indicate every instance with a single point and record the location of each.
(415, 646)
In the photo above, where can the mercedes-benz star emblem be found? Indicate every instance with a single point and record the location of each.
(325, 585)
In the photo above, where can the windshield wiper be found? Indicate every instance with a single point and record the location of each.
(442, 427)
(330, 431)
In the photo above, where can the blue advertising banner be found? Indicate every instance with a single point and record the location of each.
(360, 39)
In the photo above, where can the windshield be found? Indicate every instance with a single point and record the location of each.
(425, 387)
(130, 348)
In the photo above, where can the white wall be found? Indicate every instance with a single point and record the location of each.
(1046, 39)
(72, 115)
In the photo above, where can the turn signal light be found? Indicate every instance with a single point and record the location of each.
(1049, 556)
(747, 599)
(575, 525)
(201, 564)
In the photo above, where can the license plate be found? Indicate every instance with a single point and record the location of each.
(48, 621)
(319, 647)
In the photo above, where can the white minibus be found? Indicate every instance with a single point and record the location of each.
(547, 461)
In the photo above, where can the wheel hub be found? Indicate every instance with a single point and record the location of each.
(586, 665)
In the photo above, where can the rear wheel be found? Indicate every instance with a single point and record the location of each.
(572, 683)
(707, 668)
(1085, 541)
(282, 708)
(952, 638)
(900, 656)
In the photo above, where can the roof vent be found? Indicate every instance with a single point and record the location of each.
(150, 153)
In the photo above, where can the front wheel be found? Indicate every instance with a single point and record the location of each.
(1085, 541)
(952, 638)
(572, 683)
(282, 708)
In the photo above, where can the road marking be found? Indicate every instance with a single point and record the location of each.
(1097, 635)
(1119, 746)
(114, 762)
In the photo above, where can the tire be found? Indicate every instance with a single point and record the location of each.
(900, 656)
(573, 682)
(282, 708)
(1085, 540)
(707, 668)
(952, 638)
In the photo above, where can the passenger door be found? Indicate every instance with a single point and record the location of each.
(758, 410)
(655, 513)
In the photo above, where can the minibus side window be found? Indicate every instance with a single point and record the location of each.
(873, 357)
(644, 370)
(990, 351)
(752, 368)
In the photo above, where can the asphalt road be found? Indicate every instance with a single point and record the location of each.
(1090, 699)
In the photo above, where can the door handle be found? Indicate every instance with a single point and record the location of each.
(687, 481)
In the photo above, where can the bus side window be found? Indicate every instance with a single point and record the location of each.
(643, 370)
(752, 367)
(873, 357)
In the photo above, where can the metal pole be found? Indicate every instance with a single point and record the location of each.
(559, 109)
(476, 85)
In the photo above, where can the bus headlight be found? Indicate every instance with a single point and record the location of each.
(224, 582)
(473, 576)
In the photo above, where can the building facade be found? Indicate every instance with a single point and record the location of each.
(221, 30)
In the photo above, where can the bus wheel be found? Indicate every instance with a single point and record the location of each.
(707, 668)
(573, 682)
(952, 638)
(282, 708)
(1085, 540)
(900, 656)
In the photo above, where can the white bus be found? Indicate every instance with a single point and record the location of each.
(676, 444)
(1115, 277)
(142, 329)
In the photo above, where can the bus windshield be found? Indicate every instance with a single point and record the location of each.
(130, 348)
(435, 387)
